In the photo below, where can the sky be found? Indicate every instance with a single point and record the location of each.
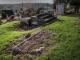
(24, 1)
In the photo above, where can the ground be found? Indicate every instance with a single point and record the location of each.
(36, 45)
(65, 38)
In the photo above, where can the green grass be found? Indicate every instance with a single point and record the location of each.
(7, 35)
(3, 20)
(66, 39)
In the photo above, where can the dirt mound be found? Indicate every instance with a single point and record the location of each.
(35, 46)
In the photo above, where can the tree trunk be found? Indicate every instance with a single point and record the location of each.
(76, 9)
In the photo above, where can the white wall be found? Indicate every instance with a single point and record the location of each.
(60, 9)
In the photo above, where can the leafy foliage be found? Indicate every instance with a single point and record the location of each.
(5, 12)
(76, 4)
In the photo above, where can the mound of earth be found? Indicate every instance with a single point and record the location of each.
(35, 46)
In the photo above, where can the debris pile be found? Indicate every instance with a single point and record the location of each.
(35, 45)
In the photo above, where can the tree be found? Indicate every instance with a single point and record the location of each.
(76, 4)
(6, 11)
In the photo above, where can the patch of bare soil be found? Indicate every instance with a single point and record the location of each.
(25, 28)
(35, 45)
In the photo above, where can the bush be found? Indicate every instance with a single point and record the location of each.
(6, 12)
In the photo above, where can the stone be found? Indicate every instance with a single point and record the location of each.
(16, 50)
(37, 51)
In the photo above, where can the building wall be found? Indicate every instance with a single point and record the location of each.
(60, 9)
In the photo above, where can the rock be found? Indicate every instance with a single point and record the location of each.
(40, 49)
(16, 50)
(35, 23)
(10, 18)
(37, 51)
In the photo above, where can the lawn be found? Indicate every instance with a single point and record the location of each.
(8, 34)
(2, 21)
(65, 38)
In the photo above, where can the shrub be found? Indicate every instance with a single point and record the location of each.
(6, 12)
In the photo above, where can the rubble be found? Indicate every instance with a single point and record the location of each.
(35, 45)
(16, 50)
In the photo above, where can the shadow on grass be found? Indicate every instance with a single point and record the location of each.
(0, 21)
(73, 15)
(59, 20)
